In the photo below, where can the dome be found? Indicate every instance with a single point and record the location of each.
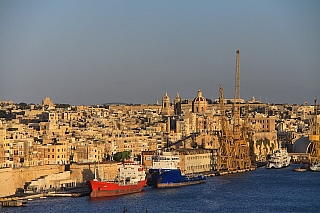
(199, 104)
(199, 98)
(301, 145)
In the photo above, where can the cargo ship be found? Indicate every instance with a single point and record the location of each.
(131, 178)
(166, 172)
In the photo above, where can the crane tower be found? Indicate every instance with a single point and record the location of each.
(242, 152)
(315, 137)
(234, 149)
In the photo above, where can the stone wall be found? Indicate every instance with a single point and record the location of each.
(264, 143)
(11, 179)
(85, 172)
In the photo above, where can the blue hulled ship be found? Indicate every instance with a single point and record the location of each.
(166, 172)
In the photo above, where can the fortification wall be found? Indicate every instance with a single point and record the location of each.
(7, 182)
(12, 179)
(85, 172)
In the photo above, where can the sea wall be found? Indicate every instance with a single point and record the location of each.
(12, 179)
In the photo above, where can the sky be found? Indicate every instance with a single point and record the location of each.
(93, 52)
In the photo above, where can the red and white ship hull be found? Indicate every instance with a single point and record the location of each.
(106, 189)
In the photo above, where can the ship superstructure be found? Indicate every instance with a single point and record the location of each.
(166, 172)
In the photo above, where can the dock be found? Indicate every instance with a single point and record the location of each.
(75, 194)
(12, 202)
(220, 173)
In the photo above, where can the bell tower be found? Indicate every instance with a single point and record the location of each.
(166, 105)
(177, 105)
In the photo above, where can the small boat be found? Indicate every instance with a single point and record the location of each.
(303, 168)
(166, 172)
(315, 167)
(43, 197)
(130, 179)
(279, 159)
(299, 169)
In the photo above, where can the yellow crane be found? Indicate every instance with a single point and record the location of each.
(242, 153)
(315, 137)
(226, 151)
(234, 151)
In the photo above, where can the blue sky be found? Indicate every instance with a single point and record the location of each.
(93, 52)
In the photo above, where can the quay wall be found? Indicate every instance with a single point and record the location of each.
(12, 179)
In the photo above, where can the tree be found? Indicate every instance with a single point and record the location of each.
(23, 105)
(3, 114)
(121, 156)
(64, 106)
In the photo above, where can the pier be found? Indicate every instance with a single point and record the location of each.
(220, 173)
(12, 203)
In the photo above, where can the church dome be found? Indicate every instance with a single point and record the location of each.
(199, 104)
(199, 98)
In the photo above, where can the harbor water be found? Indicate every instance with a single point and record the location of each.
(262, 190)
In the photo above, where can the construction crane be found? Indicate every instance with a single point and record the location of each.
(234, 153)
(242, 152)
(315, 137)
(226, 151)
(236, 101)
